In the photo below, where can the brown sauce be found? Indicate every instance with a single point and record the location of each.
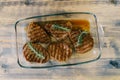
(76, 23)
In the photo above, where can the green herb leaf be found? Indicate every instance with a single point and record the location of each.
(60, 27)
(80, 38)
(39, 54)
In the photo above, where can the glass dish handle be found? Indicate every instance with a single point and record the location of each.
(101, 35)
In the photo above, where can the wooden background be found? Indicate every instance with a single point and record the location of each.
(108, 14)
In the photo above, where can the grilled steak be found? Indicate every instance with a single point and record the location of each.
(60, 51)
(87, 41)
(74, 34)
(58, 34)
(32, 57)
(86, 45)
(37, 34)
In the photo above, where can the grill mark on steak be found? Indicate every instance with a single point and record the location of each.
(87, 42)
(56, 33)
(32, 57)
(37, 34)
(87, 45)
(60, 51)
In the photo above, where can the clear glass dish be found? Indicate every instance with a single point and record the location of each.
(90, 56)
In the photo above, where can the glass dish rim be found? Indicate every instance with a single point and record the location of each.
(61, 65)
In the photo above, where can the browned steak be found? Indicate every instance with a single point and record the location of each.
(59, 51)
(87, 41)
(36, 34)
(87, 44)
(32, 57)
(58, 34)
(74, 34)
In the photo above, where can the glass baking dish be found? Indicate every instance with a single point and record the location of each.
(90, 56)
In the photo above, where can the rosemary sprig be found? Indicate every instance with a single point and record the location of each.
(80, 38)
(39, 54)
(55, 26)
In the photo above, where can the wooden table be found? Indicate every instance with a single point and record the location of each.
(108, 14)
